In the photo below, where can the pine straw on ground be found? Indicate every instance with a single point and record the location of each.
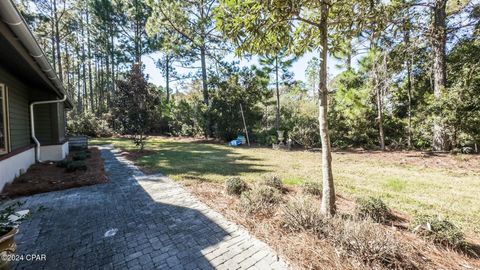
(306, 251)
(45, 177)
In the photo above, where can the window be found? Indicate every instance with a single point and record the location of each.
(3, 121)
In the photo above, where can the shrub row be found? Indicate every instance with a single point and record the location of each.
(356, 235)
(76, 163)
(362, 239)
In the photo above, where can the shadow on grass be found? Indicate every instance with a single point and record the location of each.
(191, 160)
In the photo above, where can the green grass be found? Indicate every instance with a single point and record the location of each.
(395, 184)
(413, 189)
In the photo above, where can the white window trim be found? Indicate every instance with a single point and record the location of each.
(5, 128)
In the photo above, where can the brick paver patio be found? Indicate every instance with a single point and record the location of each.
(135, 221)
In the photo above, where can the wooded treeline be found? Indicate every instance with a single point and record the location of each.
(89, 43)
(409, 74)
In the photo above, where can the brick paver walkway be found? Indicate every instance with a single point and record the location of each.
(135, 221)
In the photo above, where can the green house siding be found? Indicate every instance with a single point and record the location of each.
(18, 101)
(61, 121)
(49, 123)
(49, 118)
(43, 123)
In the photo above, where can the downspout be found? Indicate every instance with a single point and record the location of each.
(32, 122)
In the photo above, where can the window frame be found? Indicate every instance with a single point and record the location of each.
(5, 114)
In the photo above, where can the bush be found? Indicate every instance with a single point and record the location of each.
(301, 214)
(90, 125)
(272, 181)
(312, 188)
(80, 156)
(235, 186)
(62, 163)
(440, 231)
(300, 120)
(369, 243)
(260, 199)
(373, 208)
(77, 165)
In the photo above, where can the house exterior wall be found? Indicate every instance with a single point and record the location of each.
(18, 101)
(49, 125)
(54, 152)
(43, 123)
(13, 166)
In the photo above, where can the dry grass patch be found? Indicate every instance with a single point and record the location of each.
(343, 244)
(261, 199)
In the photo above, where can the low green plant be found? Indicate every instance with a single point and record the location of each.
(260, 199)
(76, 165)
(81, 155)
(438, 230)
(63, 163)
(272, 181)
(235, 186)
(301, 214)
(373, 208)
(312, 188)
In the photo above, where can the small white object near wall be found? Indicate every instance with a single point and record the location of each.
(13, 166)
(54, 152)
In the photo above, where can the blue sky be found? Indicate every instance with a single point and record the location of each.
(298, 68)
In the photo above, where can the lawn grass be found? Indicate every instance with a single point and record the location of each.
(450, 192)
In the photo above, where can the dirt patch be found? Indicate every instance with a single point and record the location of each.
(306, 251)
(47, 177)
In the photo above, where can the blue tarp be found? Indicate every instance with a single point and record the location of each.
(235, 143)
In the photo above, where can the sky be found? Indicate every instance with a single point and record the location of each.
(298, 67)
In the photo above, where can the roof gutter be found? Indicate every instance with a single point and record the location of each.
(11, 16)
(32, 123)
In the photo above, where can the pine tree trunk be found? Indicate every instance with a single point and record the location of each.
(84, 68)
(138, 36)
(107, 79)
(79, 89)
(409, 107)
(380, 118)
(440, 138)
(57, 41)
(52, 37)
(101, 87)
(204, 75)
(377, 85)
(328, 206)
(349, 55)
(67, 70)
(167, 76)
(89, 54)
(112, 59)
(205, 90)
(409, 62)
(277, 115)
